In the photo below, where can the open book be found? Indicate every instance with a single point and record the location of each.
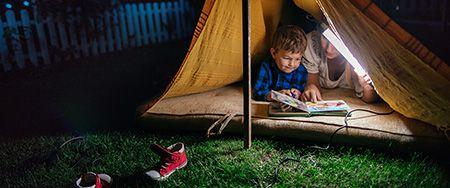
(306, 109)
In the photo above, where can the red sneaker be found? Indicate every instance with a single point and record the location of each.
(92, 180)
(172, 158)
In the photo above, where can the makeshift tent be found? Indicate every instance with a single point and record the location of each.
(410, 78)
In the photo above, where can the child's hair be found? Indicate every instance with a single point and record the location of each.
(290, 38)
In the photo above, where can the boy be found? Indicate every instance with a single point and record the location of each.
(284, 71)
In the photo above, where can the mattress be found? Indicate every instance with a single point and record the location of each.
(197, 112)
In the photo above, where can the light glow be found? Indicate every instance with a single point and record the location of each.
(340, 46)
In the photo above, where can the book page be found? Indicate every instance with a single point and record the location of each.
(327, 106)
(282, 98)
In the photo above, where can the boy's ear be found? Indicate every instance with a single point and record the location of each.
(273, 52)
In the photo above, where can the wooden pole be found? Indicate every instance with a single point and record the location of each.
(246, 57)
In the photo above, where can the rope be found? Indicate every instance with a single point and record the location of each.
(223, 121)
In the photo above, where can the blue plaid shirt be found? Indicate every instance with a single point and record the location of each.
(271, 78)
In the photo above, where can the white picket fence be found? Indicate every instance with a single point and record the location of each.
(27, 40)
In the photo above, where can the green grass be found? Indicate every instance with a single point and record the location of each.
(218, 162)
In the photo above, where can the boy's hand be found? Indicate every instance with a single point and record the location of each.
(269, 97)
(295, 93)
(311, 93)
(285, 107)
(286, 92)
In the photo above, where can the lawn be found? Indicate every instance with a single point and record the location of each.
(216, 162)
(97, 98)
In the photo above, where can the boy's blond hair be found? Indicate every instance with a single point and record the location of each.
(290, 38)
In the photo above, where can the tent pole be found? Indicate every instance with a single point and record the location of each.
(246, 72)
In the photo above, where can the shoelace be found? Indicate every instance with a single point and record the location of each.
(166, 162)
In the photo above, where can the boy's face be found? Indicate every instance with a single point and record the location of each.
(286, 61)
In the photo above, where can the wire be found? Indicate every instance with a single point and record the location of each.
(70, 140)
(275, 179)
(53, 156)
(346, 125)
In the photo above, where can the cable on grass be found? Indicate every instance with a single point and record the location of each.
(275, 179)
(53, 156)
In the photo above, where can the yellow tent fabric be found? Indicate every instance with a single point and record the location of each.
(407, 84)
(215, 59)
(215, 56)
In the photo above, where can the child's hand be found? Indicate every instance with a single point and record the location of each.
(311, 93)
(295, 93)
(285, 107)
(286, 92)
(364, 80)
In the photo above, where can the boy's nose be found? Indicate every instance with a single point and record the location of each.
(290, 63)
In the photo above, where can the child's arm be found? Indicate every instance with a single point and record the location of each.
(311, 63)
(261, 89)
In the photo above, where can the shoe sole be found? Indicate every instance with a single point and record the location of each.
(167, 175)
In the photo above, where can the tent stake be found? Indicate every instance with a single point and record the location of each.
(246, 73)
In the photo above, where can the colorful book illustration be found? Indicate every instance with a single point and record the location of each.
(306, 109)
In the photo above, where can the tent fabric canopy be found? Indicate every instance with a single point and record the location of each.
(402, 79)
(402, 36)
